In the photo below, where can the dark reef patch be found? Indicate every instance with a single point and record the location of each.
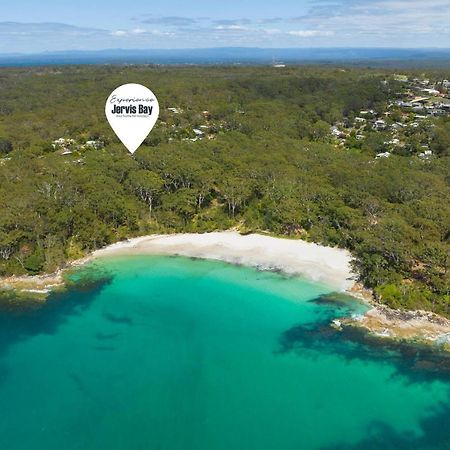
(381, 436)
(336, 300)
(106, 336)
(20, 319)
(415, 361)
(121, 320)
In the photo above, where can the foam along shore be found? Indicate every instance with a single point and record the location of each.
(327, 265)
(385, 322)
(36, 286)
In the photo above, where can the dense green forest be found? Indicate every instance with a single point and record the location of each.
(265, 160)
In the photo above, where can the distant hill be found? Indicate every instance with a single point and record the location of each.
(239, 55)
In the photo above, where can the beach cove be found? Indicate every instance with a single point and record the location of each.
(328, 265)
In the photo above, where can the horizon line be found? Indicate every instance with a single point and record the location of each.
(111, 49)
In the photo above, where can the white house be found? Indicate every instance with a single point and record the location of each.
(394, 141)
(431, 91)
(380, 124)
(426, 154)
(95, 144)
(383, 155)
(336, 132)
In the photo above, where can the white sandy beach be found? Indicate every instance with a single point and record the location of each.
(326, 265)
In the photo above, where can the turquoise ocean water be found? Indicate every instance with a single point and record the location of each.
(169, 353)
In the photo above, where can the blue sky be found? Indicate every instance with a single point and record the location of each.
(30, 26)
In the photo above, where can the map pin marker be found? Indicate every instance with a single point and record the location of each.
(132, 111)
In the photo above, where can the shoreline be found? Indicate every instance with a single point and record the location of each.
(326, 265)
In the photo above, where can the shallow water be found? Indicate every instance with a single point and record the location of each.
(173, 353)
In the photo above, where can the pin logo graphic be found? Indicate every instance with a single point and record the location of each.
(132, 111)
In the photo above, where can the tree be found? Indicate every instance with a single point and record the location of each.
(440, 142)
(147, 185)
(235, 190)
(34, 263)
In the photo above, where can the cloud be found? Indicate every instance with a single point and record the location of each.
(231, 27)
(310, 33)
(35, 29)
(272, 30)
(350, 23)
(392, 22)
(273, 20)
(230, 22)
(140, 31)
(39, 37)
(47, 36)
(170, 21)
(328, 23)
(232, 31)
